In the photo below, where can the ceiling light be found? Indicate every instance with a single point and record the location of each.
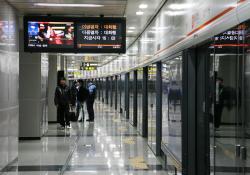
(143, 6)
(175, 13)
(139, 13)
(147, 40)
(131, 28)
(181, 6)
(67, 5)
(130, 31)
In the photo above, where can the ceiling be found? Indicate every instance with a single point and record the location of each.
(112, 8)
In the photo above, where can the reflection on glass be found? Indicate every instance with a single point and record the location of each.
(171, 107)
(122, 90)
(139, 99)
(229, 105)
(152, 107)
(113, 93)
(119, 93)
(131, 96)
(105, 90)
(4, 33)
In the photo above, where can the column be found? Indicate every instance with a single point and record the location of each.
(52, 83)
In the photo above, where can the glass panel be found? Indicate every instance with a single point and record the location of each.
(105, 90)
(122, 89)
(139, 99)
(109, 90)
(246, 94)
(113, 92)
(152, 107)
(225, 83)
(171, 107)
(131, 97)
(119, 93)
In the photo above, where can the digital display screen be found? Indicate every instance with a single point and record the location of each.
(74, 34)
(99, 36)
(50, 34)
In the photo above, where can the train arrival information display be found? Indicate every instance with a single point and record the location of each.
(99, 36)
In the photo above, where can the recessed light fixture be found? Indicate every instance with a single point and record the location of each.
(181, 6)
(175, 13)
(131, 28)
(130, 31)
(143, 6)
(67, 5)
(139, 13)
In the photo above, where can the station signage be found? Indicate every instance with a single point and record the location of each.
(89, 66)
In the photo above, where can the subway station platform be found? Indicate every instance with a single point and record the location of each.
(110, 145)
(170, 80)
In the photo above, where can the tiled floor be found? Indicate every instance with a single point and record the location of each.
(109, 146)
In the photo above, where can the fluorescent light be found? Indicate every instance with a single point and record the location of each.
(130, 31)
(67, 5)
(161, 28)
(175, 13)
(147, 40)
(131, 28)
(180, 6)
(143, 6)
(139, 13)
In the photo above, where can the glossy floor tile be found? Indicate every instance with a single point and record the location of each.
(109, 146)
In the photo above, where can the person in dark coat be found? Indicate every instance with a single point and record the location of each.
(90, 101)
(63, 101)
(82, 96)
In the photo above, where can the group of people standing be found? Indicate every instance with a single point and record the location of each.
(67, 98)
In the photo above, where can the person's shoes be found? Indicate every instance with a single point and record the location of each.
(81, 120)
(68, 127)
(90, 120)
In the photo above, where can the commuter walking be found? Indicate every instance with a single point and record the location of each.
(63, 101)
(90, 101)
(82, 96)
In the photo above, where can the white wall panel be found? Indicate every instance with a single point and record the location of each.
(9, 75)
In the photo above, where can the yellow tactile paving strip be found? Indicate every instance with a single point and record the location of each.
(122, 129)
(129, 141)
(138, 163)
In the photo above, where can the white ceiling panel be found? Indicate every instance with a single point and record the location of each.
(110, 7)
(136, 23)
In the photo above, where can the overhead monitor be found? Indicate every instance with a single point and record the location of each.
(44, 34)
(74, 35)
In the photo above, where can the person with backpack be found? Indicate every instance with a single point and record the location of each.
(82, 96)
(62, 101)
(90, 101)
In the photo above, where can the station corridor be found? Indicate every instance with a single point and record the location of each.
(110, 145)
